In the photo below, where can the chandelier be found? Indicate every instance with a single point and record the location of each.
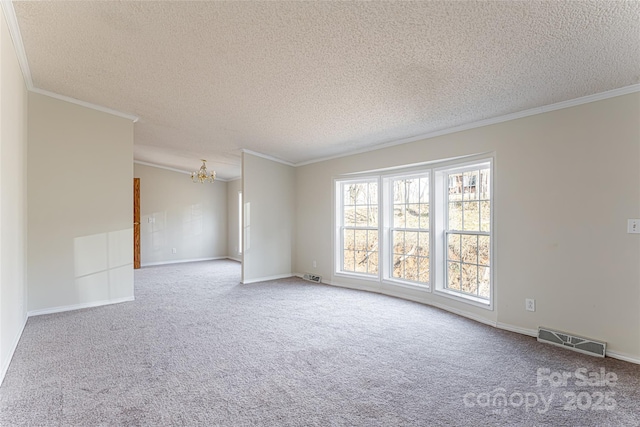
(203, 175)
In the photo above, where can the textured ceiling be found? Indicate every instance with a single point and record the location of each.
(305, 80)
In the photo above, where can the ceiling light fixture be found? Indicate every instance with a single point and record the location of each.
(203, 175)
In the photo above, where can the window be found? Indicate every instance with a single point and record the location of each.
(358, 227)
(424, 227)
(239, 222)
(468, 231)
(409, 239)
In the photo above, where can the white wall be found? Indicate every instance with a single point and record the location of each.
(565, 184)
(80, 196)
(190, 217)
(268, 190)
(13, 143)
(233, 222)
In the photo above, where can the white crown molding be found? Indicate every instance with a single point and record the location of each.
(89, 105)
(268, 157)
(16, 37)
(153, 165)
(487, 122)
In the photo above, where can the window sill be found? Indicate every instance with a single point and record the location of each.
(358, 276)
(408, 285)
(467, 299)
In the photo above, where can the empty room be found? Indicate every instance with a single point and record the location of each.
(283, 213)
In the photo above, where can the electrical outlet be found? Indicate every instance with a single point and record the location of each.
(315, 264)
(174, 250)
(530, 304)
(633, 226)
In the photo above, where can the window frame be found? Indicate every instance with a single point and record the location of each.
(438, 215)
(339, 227)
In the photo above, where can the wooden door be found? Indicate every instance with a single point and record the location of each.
(136, 222)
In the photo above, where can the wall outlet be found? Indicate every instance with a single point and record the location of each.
(530, 304)
(151, 220)
(315, 264)
(633, 226)
(174, 250)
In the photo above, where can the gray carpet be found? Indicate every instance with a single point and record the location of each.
(197, 348)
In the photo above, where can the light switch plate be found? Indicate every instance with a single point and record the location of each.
(633, 226)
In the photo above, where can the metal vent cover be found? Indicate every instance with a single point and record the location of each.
(572, 342)
(312, 277)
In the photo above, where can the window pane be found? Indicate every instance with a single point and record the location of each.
(361, 216)
(373, 216)
(372, 193)
(483, 281)
(372, 240)
(398, 191)
(399, 216)
(424, 216)
(413, 216)
(455, 216)
(349, 216)
(411, 242)
(423, 243)
(453, 276)
(469, 249)
(469, 279)
(485, 184)
(454, 247)
(423, 269)
(484, 250)
(360, 240)
(347, 261)
(398, 242)
(413, 191)
(485, 216)
(349, 194)
(372, 262)
(455, 187)
(398, 266)
(411, 268)
(470, 180)
(471, 218)
(361, 193)
(424, 190)
(349, 240)
(361, 261)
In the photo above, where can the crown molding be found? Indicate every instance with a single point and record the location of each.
(487, 122)
(153, 165)
(89, 105)
(16, 37)
(268, 157)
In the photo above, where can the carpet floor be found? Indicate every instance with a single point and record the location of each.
(198, 348)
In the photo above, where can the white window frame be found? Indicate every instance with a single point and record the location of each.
(441, 204)
(339, 227)
(438, 213)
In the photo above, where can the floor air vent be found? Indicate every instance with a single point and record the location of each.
(572, 342)
(312, 277)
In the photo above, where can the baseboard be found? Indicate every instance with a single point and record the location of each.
(518, 329)
(623, 356)
(266, 279)
(180, 261)
(234, 258)
(78, 306)
(5, 366)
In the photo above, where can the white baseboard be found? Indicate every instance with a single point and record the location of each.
(12, 350)
(623, 356)
(78, 306)
(180, 261)
(234, 259)
(266, 279)
(518, 329)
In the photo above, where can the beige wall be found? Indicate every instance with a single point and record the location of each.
(565, 184)
(80, 180)
(268, 191)
(13, 143)
(190, 217)
(233, 246)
